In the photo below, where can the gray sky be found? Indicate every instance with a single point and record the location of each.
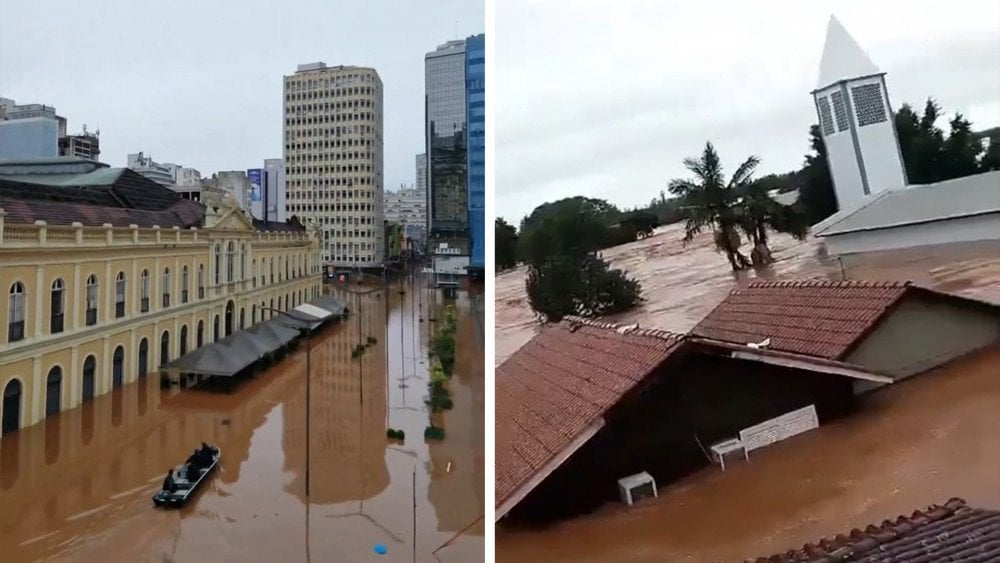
(605, 99)
(199, 83)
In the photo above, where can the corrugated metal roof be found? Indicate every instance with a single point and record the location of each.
(960, 197)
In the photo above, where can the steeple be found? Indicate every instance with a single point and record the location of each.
(843, 58)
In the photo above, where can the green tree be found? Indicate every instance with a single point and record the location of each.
(584, 286)
(506, 245)
(710, 201)
(816, 193)
(960, 153)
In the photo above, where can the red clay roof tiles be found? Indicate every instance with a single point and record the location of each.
(560, 382)
(953, 532)
(814, 318)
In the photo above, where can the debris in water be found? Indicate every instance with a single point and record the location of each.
(380, 549)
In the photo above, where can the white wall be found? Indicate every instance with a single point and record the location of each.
(964, 229)
(878, 146)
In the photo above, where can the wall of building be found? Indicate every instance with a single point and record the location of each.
(962, 229)
(444, 83)
(277, 270)
(883, 162)
(475, 81)
(701, 398)
(925, 332)
(36, 137)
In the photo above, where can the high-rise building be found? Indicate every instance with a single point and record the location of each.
(422, 172)
(855, 119)
(333, 159)
(29, 131)
(475, 95)
(149, 168)
(267, 191)
(85, 145)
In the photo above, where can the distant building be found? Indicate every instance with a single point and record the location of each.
(421, 162)
(29, 138)
(149, 168)
(267, 191)
(475, 95)
(408, 209)
(333, 159)
(85, 145)
(229, 184)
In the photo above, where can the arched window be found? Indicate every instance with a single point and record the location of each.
(57, 306)
(243, 261)
(11, 407)
(144, 291)
(89, 374)
(253, 315)
(165, 347)
(120, 295)
(285, 260)
(201, 281)
(166, 287)
(16, 313)
(230, 257)
(215, 329)
(143, 357)
(271, 262)
(53, 391)
(184, 284)
(92, 288)
(201, 333)
(218, 263)
(184, 339)
(243, 315)
(118, 367)
(230, 318)
(253, 271)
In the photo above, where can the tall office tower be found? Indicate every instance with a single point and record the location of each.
(421, 172)
(267, 191)
(445, 129)
(475, 95)
(333, 159)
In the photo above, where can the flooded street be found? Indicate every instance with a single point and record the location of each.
(77, 486)
(916, 443)
(682, 284)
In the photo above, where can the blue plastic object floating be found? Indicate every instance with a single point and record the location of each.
(380, 549)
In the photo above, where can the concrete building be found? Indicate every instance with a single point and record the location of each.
(475, 95)
(30, 137)
(85, 145)
(268, 195)
(447, 162)
(407, 208)
(855, 117)
(333, 159)
(149, 168)
(102, 287)
(421, 169)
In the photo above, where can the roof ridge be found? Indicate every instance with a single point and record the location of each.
(821, 282)
(634, 328)
(842, 546)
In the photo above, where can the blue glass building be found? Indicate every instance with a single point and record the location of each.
(475, 96)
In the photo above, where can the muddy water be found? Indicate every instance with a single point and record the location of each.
(78, 487)
(681, 284)
(916, 443)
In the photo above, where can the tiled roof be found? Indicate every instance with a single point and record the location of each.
(291, 225)
(182, 215)
(952, 532)
(814, 318)
(558, 384)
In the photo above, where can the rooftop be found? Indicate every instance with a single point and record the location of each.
(842, 58)
(960, 197)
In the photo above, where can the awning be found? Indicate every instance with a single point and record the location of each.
(330, 303)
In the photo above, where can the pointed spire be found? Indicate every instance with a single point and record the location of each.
(842, 58)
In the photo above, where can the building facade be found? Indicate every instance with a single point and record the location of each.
(85, 145)
(444, 80)
(267, 191)
(475, 95)
(95, 304)
(149, 168)
(421, 171)
(333, 160)
(30, 137)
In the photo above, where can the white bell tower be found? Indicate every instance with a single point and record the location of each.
(856, 121)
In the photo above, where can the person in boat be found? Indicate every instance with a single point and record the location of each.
(168, 482)
(206, 455)
(194, 461)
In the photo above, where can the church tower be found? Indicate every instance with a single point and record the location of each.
(856, 121)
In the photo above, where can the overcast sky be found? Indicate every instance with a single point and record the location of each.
(200, 83)
(605, 99)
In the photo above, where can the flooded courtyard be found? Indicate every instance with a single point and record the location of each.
(77, 486)
(682, 284)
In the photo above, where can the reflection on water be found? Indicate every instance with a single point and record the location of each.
(682, 284)
(78, 487)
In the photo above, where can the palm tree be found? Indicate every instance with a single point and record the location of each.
(759, 212)
(711, 202)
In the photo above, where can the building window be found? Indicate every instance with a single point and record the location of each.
(166, 287)
(243, 261)
(201, 281)
(184, 339)
(184, 284)
(144, 291)
(120, 295)
(840, 111)
(230, 257)
(868, 105)
(165, 348)
(825, 116)
(218, 263)
(271, 263)
(16, 313)
(91, 300)
(253, 272)
(57, 304)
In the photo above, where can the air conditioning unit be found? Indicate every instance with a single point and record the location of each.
(637, 487)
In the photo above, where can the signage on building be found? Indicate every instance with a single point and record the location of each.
(254, 175)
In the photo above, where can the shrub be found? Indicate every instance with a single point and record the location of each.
(433, 433)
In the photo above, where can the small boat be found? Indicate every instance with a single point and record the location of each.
(186, 482)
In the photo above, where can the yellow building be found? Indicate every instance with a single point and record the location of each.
(108, 275)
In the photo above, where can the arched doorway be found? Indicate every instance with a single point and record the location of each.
(243, 317)
(11, 406)
(53, 391)
(118, 367)
(229, 318)
(215, 329)
(184, 339)
(143, 357)
(165, 347)
(201, 333)
(89, 373)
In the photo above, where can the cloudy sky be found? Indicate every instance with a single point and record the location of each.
(605, 99)
(199, 83)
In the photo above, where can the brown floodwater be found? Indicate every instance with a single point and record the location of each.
(77, 487)
(681, 284)
(913, 444)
